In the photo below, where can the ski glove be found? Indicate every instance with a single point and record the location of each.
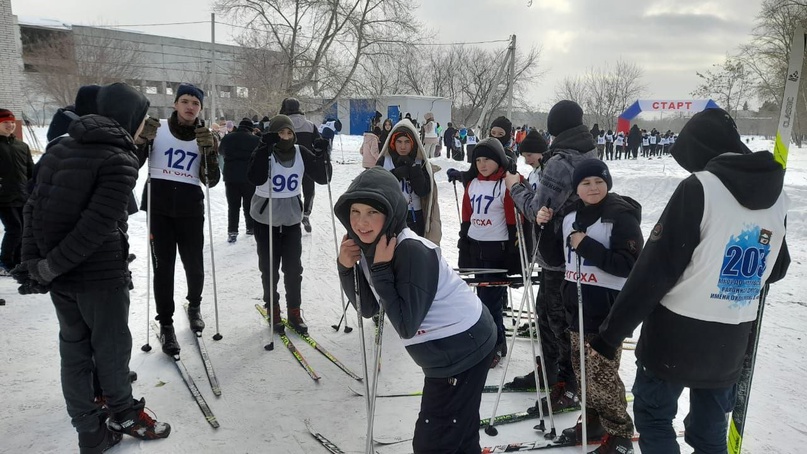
(402, 171)
(270, 138)
(149, 131)
(204, 139)
(454, 175)
(321, 148)
(20, 272)
(40, 272)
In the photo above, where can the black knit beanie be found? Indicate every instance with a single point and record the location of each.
(593, 167)
(290, 106)
(533, 143)
(563, 116)
(490, 148)
(191, 90)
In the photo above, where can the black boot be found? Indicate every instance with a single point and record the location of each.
(195, 318)
(277, 318)
(137, 423)
(99, 440)
(296, 321)
(169, 340)
(594, 429)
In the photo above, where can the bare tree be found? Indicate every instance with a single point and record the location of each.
(321, 43)
(730, 84)
(604, 92)
(766, 56)
(64, 61)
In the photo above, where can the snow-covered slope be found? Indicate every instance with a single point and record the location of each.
(266, 395)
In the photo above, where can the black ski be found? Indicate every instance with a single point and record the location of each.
(186, 377)
(532, 413)
(538, 445)
(310, 341)
(486, 389)
(327, 444)
(290, 346)
(211, 374)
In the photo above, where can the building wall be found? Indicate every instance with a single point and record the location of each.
(164, 64)
(10, 56)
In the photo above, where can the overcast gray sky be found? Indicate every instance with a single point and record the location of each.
(669, 39)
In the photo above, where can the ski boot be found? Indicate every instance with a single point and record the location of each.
(232, 237)
(527, 381)
(169, 340)
(612, 444)
(594, 429)
(296, 321)
(563, 400)
(137, 423)
(277, 319)
(99, 440)
(195, 318)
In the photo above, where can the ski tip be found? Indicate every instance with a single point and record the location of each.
(269, 347)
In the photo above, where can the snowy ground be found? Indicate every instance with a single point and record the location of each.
(266, 395)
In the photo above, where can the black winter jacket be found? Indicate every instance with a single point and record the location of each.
(616, 258)
(16, 168)
(76, 216)
(237, 148)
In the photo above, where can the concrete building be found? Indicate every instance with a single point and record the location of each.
(155, 64)
(10, 54)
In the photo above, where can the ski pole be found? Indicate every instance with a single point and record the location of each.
(147, 347)
(457, 201)
(336, 245)
(271, 345)
(379, 337)
(218, 335)
(582, 342)
(362, 341)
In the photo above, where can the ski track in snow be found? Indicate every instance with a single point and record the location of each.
(266, 395)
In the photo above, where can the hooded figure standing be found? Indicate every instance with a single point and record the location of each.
(696, 286)
(572, 145)
(403, 155)
(445, 328)
(75, 244)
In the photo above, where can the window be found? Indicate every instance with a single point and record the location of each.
(242, 92)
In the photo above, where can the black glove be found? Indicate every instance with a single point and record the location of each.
(270, 138)
(204, 140)
(454, 175)
(402, 172)
(20, 272)
(149, 131)
(31, 287)
(40, 272)
(321, 147)
(510, 166)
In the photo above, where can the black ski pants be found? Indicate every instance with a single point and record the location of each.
(94, 336)
(554, 325)
(169, 234)
(11, 217)
(239, 195)
(308, 194)
(448, 422)
(287, 247)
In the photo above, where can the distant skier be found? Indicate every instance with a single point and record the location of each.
(719, 242)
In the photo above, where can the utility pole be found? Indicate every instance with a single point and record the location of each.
(509, 60)
(213, 96)
(512, 79)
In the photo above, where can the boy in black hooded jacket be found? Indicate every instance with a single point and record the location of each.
(695, 288)
(75, 243)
